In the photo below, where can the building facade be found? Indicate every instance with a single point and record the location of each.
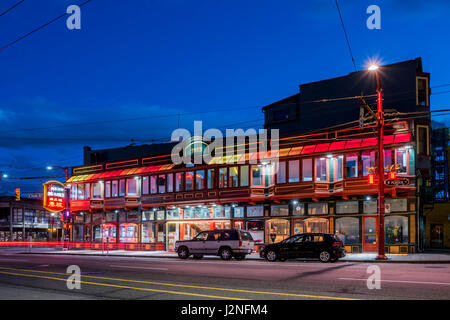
(316, 178)
(26, 220)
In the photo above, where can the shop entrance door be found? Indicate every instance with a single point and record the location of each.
(370, 234)
(437, 236)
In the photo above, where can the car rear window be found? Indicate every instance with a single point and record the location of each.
(229, 235)
(246, 236)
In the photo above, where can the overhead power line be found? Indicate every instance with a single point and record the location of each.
(346, 36)
(39, 28)
(10, 8)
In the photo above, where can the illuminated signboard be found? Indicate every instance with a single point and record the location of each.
(54, 196)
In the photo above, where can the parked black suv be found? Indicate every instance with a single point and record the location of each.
(327, 247)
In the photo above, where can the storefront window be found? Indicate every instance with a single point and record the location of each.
(401, 159)
(368, 161)
(256, 229)
(257, 176)
(122, 188)
(97, 190)
(170, 182)
(316, 225)
(234, 182)
(281, 210)
(398, 204)
(321, 169)
(396, 228)
(115, 188)
(200, 180)
(149, 232)
(83, 191)
(336, 168)
(317, 208)
(162, 183)
(210, 178)
(281, 174)
(294, 171)
(370, 206)
(277, 230)
(111, 217)
(128, 233)
(298, 209)
(238, 212)
(299, 226)
(189, 176)
(148, 215)
(347, 207)
(160, 215)
(221, 212)
(387, 159)
(132, 187)
(307, 170)
(223, 177)
(244, 176)
(347, 229)
(153, 187)
(351, 165)
(145, 185)
(173, 214)
(108, 189)
(255, 211)
(179, 181)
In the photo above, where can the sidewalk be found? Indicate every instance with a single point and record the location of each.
(356, 257)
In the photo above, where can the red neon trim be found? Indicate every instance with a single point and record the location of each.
(308, 149)
(369, 142)
(353, 144)
(403, 137)
(388, 139)
(323, 147)
(339, 145)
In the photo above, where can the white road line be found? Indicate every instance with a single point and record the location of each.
(134, 267)
(402, 281)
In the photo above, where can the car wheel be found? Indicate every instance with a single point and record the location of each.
(183, 253)
(271, 256)
(324, 256)
(226, 254)
(198, 256)
(240, 257)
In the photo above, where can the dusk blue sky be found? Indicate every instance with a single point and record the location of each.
(157, 58)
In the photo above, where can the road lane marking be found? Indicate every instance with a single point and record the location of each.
(193, 286)
(134, 267)
(401, 281)
(124, 287)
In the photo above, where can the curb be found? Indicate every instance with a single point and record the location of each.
(258, 259)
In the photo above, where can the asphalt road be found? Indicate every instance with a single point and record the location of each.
(43, 276)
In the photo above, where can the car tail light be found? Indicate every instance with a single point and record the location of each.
(336, 244)
(240, 243)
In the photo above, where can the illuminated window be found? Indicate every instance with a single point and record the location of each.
(317, 208)
(122, 188)
(223, 177)
(97, 190)
(210, 178)
(321, 169)
(200, 180)
(234, 182)
(132, 187)
(108, 189)
(257, 176)
(336, 168)
(83, 191)
(387, 160)
(294, 171)
(145, 181)
(153, 186)
(351, 165)
(347, 229)
(170, 182)
(73, 193)
(189, 180)
(244, 176)
(115, 188)
(179, 181)
(401, 159)
(347, 207)
(307, 170)
(396, 229)
(281, 174)
(368, 161)
(162, 183)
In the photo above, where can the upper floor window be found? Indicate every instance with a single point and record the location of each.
(368, 161)
(189, 180)
(223, 177)
(281, 174)
(351, 165)
(387, 160)
(244, 176)
(122, 188)
(200, 180)
(170, 182)
(145, 185)
(257, 176)
(97, 190)
(179, 181)
(234, 175)
(321, 169)
(401, 159)
(336, 168)
(162, 183)
(307, 170)
(211, 178)
(422, 92)
(115, 188)
(294, 171)
(153, 186)
(132, 189)
(108, 189)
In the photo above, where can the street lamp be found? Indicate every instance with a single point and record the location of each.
(380, 124)
(66, 170)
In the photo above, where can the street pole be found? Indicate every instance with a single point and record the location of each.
(380, 123)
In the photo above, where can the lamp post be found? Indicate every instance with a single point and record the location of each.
(380, 124)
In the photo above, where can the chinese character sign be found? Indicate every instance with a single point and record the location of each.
(54, 196)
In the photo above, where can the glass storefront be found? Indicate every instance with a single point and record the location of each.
(277, 230)
(347, 228)
(316, 225)
(128, 233)
(396, 228)
(148, 232)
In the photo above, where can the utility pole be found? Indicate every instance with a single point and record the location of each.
(380, 124)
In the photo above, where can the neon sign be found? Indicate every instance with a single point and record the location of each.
(54, 196)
